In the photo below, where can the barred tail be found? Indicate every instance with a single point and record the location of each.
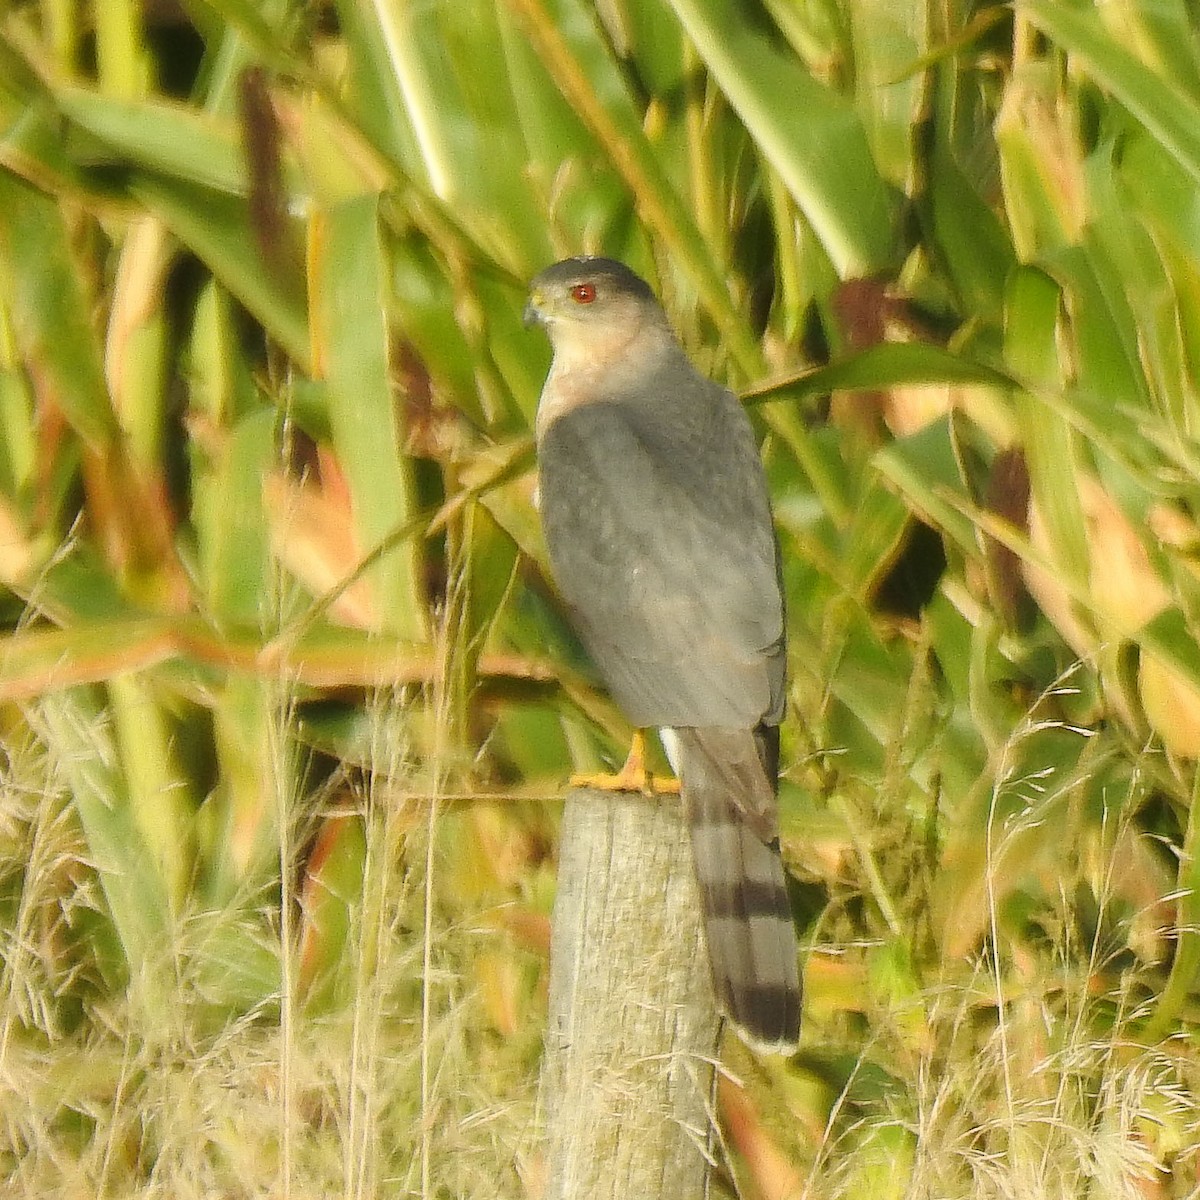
(752, 949)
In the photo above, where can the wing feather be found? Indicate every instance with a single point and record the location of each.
(660, 537)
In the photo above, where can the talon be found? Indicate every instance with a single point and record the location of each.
(632, 777)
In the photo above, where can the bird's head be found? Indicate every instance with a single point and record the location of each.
(597, 300)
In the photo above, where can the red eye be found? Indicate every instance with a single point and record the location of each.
(583, 293)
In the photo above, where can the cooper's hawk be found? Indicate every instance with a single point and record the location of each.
(656, 514)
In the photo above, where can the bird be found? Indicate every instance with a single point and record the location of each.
(658, 526)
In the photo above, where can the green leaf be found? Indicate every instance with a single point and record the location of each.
(1171, 637)
(136, 894)
(50, 312)
(1185, 965)
(925, 467)
(1100, 302)
(880, 367)
(887, 37)
(159, 793)
(872, 540)
(1040, 160)
(970, 237)
(331, 900)
(1031, 347)
(351, 339)
(1167, 111)
(216, 227)
(168, 138)
(231, 529)
(1161, 189)
(809, 134)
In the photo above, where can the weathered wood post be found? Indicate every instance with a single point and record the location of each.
(632, 1032)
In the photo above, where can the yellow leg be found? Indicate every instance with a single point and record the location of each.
(632, 777)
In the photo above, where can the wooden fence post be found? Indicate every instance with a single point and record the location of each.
(632, 1033)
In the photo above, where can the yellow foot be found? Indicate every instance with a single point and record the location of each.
(632, 777)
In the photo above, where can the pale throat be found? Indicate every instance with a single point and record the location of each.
(594, 362)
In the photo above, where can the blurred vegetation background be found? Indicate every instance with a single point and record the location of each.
(286, 695)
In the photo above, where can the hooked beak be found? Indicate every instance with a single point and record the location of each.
(533, 313)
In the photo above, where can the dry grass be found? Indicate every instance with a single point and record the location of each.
(397, 1088)
(416, 1074)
